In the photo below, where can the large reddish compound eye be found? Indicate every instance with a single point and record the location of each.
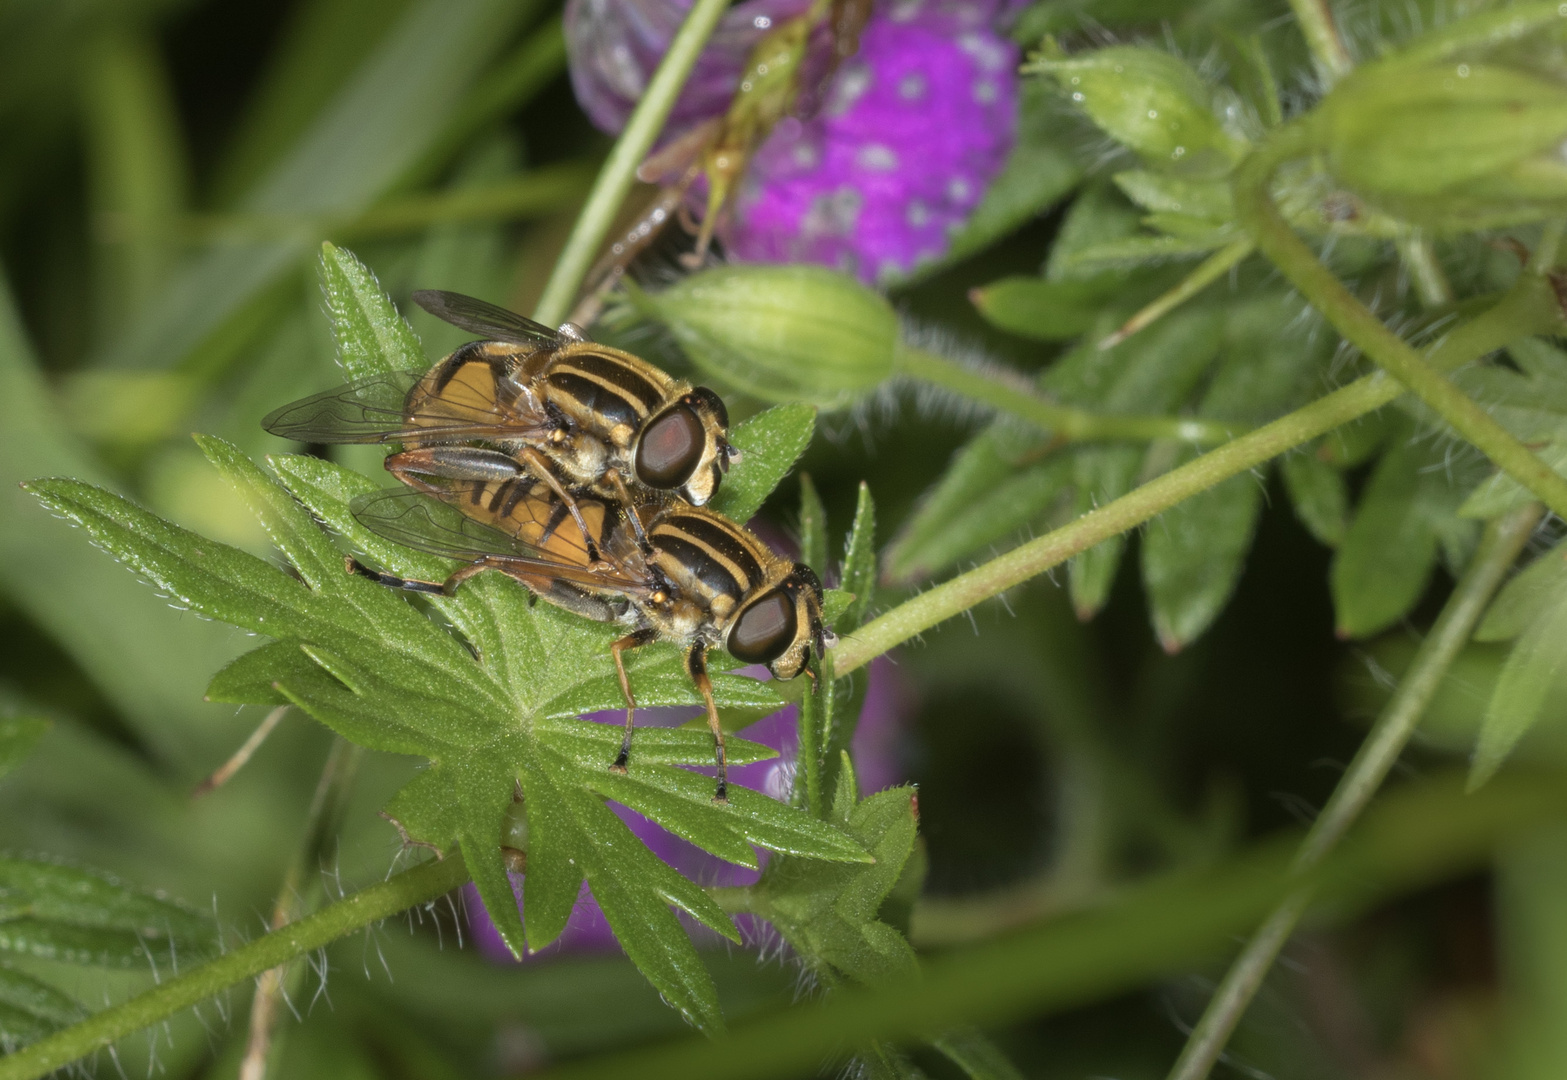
(765, 629)
(670, 448)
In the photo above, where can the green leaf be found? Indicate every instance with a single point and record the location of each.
(1319, 494)
(252, 678)
(813, 526)
(1382, 567)
(1192, 558)
(769, 443)
(1532, 668)
(977, 1056)
(828, 912)
(30, 1009)
(859, 565)
(76, 916)
(372, 338)
(1193, 554)
(1161, 193)
(1525, 598)
(1135, 251)
(1098, 215)
(1045, 310)
(18, 736)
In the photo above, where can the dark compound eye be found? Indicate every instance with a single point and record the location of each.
(670, 448)
(764, 630)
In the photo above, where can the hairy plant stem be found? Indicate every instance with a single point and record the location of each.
(1503, 541)
(1530, 308)
(1208, 271)
(417, 886)
(1257, 212)
(1322, 38)
(1016, 397)
(620, 170)
(299, 892)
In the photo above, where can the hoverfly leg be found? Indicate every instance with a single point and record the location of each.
(635, 640)
(541, 467)
(696, 667)
(433, 588)
(630, 508)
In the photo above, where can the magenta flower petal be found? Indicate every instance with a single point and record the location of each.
(916, 127)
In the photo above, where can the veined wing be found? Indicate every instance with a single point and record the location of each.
(410, 518)
(378, 410)
(489, 321)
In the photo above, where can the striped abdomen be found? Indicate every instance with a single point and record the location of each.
(709, 556)
(606, 391)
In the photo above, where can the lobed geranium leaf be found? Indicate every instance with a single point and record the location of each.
(81, 916)
(858, 578)
(18, 736)
(251, 678)
(769, 444)
(30, 1009)
(1034, 307)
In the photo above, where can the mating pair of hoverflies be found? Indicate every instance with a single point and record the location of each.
(581, 471)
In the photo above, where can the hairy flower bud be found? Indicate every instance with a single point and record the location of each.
(1450, 145)
(782, 333)
(1149, 101)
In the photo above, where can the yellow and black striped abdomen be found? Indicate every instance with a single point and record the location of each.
(710, 555)
(524, 508)
(604, 389)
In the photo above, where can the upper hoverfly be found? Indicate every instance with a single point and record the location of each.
(701, 581)
(527, 400)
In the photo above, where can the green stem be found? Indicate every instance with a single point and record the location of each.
(615, 179)
(1431, 284)
(1530, 308)
(1210, 270)
(1257, 212)
(1322, 38)
(1016, 397)
(417, 886)
(1504, 539)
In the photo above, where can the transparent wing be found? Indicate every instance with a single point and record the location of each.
(487, 320)
(376, 410)
(412, 519)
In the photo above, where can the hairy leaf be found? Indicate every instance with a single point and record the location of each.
(372, 338)
(1525, 598)
(1319, 494)
(769, 443)
(80, 916)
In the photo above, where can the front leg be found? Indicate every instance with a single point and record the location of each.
(696, 667)
(634, 640)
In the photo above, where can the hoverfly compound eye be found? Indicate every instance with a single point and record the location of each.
(765, 629)
(670, 448)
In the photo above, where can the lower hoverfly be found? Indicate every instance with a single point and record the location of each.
(574, 414)
(701, 581)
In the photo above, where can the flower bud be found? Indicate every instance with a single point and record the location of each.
(781, 333)
(1149, 101)
(1452, 145)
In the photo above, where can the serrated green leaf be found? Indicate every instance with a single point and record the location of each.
(1525, 598)
(1501, 493)
(1098, 215)
(18, 736)
(859, 564)
(30, 1009)
(372, 338)
(769, 443)
(1135, 251)
(834, 603)
(1532, 668)
(1319, 495)
(77, 916)
(1164, 193)
(828, 911)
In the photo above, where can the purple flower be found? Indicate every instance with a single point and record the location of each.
(912, 130)
(875, 751)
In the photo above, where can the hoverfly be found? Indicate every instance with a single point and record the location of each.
(572, 413)
(702, 581)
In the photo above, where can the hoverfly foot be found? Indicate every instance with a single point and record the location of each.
(721, 796)
(619, 765)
